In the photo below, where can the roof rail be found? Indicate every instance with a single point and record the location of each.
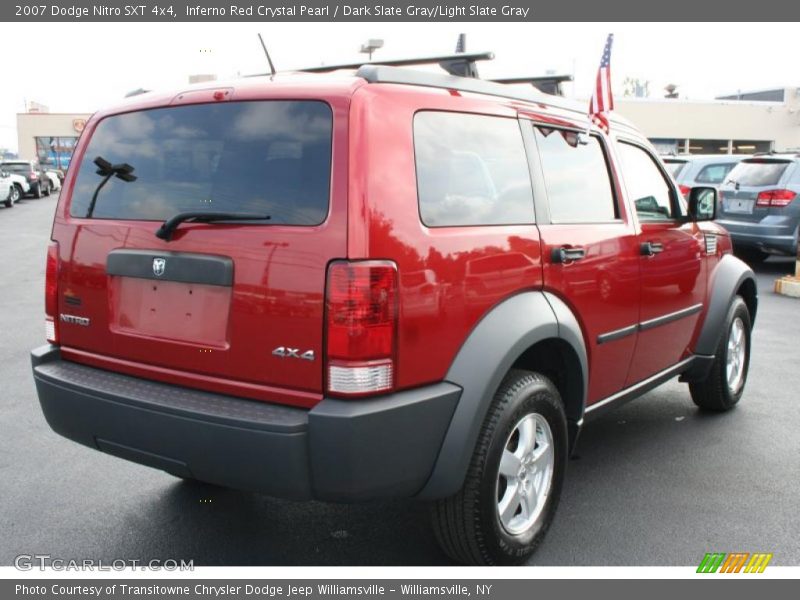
(382, 74)
(461, 64)
(549, 84)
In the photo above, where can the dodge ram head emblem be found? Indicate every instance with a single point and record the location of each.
(159, 264)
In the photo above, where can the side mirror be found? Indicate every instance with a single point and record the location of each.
(702, 203)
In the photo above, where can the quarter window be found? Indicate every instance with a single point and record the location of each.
(576, 177)
(471, 170)
(646, 185)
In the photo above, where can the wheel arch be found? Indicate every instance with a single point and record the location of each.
(730, 278)
(531, 330)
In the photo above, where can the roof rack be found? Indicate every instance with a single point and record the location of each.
(549, 84)
(383, 74)
(461, 64)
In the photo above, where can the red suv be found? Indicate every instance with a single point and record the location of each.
(376, 284)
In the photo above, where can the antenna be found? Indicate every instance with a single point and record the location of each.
(266, 52)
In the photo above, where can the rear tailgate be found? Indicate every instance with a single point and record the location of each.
(739, 193)
(214, 306)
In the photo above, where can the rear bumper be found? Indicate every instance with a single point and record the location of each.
(777, 235)
(339, 450)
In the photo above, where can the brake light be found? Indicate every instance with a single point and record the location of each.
(32, 176)
(777, 198)
(685, 189)
(361, 318)
(51, 293)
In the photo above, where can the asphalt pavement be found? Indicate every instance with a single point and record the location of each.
(654, 483)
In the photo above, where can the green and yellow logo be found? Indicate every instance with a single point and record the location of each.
(735, 562)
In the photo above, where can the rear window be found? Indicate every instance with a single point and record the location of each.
(758, 173)
(674, 167)
(271, 157)
(714, 173)
(16, 167)
(471, 170)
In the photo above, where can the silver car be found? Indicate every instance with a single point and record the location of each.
(692, 170)
(759, 205)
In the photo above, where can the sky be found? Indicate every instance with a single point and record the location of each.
(80, 67)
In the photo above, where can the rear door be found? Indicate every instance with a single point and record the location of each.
(672, 259)
(230, 306)
(588, 248)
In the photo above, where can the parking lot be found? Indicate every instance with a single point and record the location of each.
(654, 483)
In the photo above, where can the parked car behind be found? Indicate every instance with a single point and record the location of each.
(55, 180)
(31, 170)
(759, 206)
(691, 170)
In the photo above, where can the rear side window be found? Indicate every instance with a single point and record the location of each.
(471, 170)
(576, 177)
(758, 172)
(714, 173)
(271, 157)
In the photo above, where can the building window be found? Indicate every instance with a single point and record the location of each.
(750, 146)
(55, 151)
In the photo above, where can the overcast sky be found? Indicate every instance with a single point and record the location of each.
(83, 66)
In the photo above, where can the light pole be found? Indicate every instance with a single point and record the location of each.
(370, 46)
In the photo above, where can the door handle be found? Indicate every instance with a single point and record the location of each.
(566, 255)
(651, 248)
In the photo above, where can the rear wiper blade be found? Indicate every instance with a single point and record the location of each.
(168, 227)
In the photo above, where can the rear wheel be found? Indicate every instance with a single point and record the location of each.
(37, 191)
(514, 480)
(723, 387)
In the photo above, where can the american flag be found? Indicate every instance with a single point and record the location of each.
(602, 99)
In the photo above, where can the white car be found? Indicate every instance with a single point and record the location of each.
(55, 182)
(9, 194)
(21, 183)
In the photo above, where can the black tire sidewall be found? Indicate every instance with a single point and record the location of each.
(540, 397)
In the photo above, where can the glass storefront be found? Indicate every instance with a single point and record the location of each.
(55, 151)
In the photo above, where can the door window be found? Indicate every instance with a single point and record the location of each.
(648, 188)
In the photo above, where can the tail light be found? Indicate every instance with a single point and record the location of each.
(685, 189)
(51, 294)
(32, 176)
(361, 320)
(777, 198)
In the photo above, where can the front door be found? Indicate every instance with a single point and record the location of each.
(672, 254)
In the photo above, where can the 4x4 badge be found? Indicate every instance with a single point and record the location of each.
(285, 352)
(159, 264)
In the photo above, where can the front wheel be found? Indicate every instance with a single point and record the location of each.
(724, 385)
(13, 196)
(514, 481)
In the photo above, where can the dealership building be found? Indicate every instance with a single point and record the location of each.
(50, 137)
(743, 123)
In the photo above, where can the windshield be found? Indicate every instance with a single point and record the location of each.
(269, 157)
(757, 173)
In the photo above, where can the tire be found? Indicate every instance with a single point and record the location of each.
(13, 196)
(47, 189)
(468, 525)
(37, 193)
(723, 388)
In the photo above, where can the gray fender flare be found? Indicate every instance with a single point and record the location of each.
(491, 349)
(726, 279)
